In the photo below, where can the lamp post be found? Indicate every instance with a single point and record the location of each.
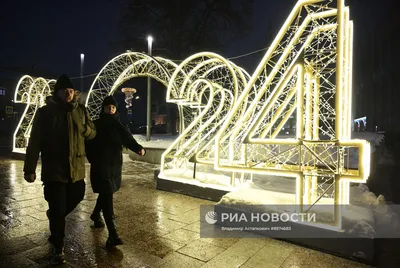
(148, 129)
(82, 61)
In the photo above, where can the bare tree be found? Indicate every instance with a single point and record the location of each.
(183, 27)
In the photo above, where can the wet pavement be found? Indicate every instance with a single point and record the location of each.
(159, 229)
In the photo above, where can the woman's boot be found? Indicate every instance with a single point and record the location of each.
(108, 209)
(97, 220)
(95, 217)
(113, 238)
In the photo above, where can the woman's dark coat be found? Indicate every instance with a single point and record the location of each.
(104, 153)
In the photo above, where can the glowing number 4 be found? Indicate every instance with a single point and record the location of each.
(295, 75)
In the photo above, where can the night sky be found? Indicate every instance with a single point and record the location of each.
(50, 35)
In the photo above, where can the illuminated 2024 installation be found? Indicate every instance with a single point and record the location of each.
(231, 123)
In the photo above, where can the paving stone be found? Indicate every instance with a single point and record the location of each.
(178, 260)
(227, 259)
(247, 246)
(130, 256)
(158, 246)
(17, 260)
(194, 227)
(15, 245)
(310, 258)
(274, 253)
(221, 242)
(201, 250)
(39, 254)
(183, 236)
(39, 238)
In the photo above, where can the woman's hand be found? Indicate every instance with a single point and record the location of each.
(30, 177)
(142, 152)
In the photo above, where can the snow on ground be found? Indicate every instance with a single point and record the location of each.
(203, 179)
(387, 220)
(162, 141)
(373, 137)
(274, 183)
(165, 140)
(126, 158)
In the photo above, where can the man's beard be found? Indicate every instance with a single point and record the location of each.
(68, 97)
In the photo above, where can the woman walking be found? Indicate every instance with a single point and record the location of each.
(105, 156)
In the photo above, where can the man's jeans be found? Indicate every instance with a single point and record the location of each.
(62, 199)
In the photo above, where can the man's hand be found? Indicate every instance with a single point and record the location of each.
(30, 177)
(142, 152)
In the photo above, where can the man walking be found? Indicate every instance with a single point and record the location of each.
(59, 131)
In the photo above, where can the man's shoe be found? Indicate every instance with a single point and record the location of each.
(98, 222)
(113, 241)
(57, 256)
(57, 259)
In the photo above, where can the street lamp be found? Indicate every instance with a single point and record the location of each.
(148, 130)
(82, 60)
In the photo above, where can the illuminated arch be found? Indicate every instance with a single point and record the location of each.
(125, 67)
(122, 68)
